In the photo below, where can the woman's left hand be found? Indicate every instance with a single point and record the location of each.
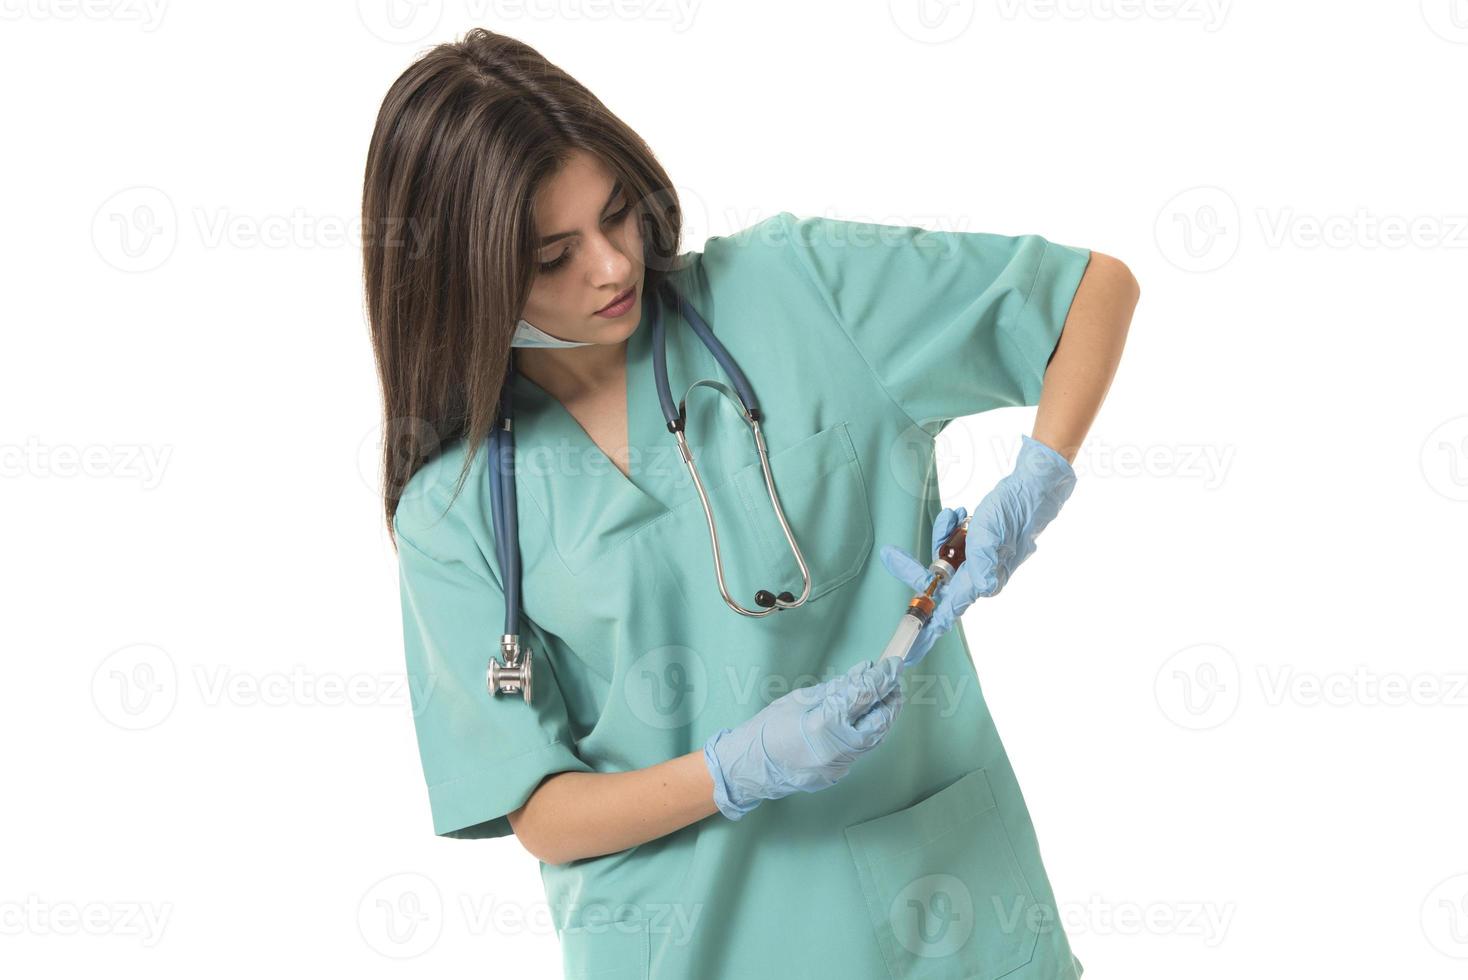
(1001, 535)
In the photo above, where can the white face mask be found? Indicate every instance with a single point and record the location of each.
(528, 334)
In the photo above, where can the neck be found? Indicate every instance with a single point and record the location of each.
(573, 372)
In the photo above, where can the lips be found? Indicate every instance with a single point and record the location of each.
(621, 297)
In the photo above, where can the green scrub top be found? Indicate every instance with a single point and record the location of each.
(861, 341)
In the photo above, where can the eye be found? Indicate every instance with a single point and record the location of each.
(555, 263)
(560, 260)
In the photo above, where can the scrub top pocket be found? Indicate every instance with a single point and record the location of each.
(824, 496)
(946, 895)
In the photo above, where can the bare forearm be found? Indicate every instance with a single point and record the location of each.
(574, 815)
(1085, 360)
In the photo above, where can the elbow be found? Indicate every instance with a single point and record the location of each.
(529, 835)
(525, 833)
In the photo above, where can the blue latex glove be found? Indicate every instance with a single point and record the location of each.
(1001, 535)
(804, 740)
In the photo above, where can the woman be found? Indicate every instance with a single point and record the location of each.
(711, 794)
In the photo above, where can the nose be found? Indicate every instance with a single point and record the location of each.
(610, 265)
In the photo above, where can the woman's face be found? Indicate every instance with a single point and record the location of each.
(590, 254)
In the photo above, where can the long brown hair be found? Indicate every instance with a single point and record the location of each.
(463, 140)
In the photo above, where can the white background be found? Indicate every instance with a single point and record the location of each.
(1231, 679)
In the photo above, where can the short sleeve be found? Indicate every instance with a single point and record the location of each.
(482, 756)
(950, 323)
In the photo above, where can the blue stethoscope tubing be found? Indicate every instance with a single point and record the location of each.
(505, 510)
(721, 354)
(514, 674)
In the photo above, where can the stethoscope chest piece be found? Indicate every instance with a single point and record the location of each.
(512, 676)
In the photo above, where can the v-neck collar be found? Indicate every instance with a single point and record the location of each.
(555, 420)
(588, 510)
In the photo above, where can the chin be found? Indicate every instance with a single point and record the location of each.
(627, 329)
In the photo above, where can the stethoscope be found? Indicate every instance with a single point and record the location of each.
(513, 675)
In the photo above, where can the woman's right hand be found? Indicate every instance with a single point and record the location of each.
(804, 740)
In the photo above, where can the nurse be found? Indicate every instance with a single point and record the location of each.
(712, 795)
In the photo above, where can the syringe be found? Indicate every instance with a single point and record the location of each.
(920, 607)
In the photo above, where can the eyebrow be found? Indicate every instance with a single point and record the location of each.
(548, 239)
